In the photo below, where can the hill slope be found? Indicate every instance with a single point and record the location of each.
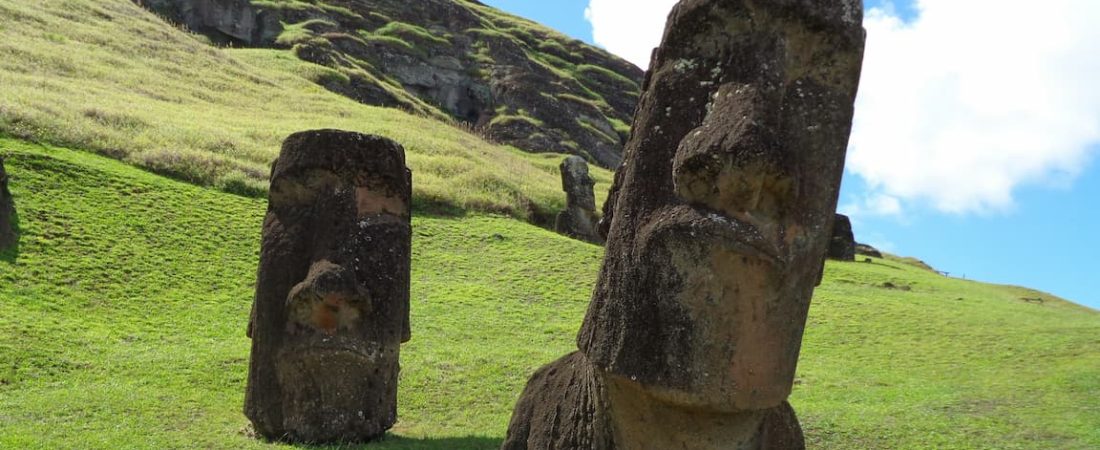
(122, 318)
(111, 77)
(513, 79)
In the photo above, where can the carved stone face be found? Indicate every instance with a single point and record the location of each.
(724, 206)
(332, 298)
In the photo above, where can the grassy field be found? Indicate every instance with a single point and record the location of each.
(110, 77)
(122, 316)
(122, 311)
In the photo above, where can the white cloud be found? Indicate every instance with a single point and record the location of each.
(975, 98)
(872, 204)
(957, 108)
(629, 28)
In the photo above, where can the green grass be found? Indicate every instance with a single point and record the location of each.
(112, 78)
(123, 313)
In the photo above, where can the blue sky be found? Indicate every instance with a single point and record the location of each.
(995, 176)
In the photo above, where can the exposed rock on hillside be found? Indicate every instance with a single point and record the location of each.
(867, 250)
(516, 81)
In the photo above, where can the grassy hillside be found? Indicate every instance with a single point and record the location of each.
(110, 77)
(122, 318)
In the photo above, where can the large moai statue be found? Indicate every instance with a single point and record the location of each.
(7, 211)
(579, 219)
(332, 295)
(718, 223)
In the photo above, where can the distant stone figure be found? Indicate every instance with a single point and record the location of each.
(718, 224)
(842, 246)
(332, 296)
(7, 211)
(867, 250)
(579, 219)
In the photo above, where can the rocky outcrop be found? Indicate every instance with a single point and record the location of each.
(7, 211)
(227, 22)
(332, 295)
(514, 81)
(842, 246)
(718, 225)
(867, 250)
(579, 218)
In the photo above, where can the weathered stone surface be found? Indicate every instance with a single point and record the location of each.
(579, 218)
(332, 296)
(867, 250)
(842, 245)
(234, 22)
(517, 83)
(563, 407)
(7, 211)
(718, 224)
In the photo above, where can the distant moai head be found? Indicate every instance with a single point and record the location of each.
(723, 208)
(577, 183)
(332, 299)
(7, 211)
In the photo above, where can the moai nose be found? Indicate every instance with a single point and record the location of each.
(328, 300)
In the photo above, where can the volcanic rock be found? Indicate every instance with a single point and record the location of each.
(332, 296)
(867, 250)
(842, 246)
(7, 211)
(579, 219)
(718, 224)
(509, 79)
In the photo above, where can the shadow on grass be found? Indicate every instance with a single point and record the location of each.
(392, 442)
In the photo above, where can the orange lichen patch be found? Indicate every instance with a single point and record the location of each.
(369, 201)
(333, 313)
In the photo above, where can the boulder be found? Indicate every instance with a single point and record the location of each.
(718, 223)
(332, 296)
(867, 250)
(579, 218)
(7, 211)
(842, 246)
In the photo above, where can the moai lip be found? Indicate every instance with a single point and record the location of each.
(717, 225)
(332, 297)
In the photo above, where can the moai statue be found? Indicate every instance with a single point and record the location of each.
(332, 295)
(719, 221)
(842, 245)
(579, 219)
(7, 211)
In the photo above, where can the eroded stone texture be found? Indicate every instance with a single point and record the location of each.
(579, 218)
(867, 250)
(842, 245)
(332, 296)
(718, 223)
(7, 211)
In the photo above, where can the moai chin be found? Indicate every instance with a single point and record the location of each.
(718, 224)
(332, 295)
